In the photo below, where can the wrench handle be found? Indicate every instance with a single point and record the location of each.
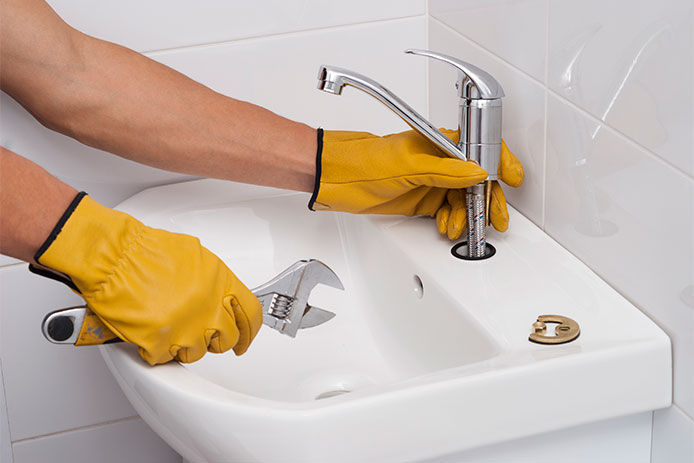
(77, 325)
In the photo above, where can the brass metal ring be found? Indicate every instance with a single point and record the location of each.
(566, 331)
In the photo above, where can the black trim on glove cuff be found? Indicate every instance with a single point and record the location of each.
(59, 277)
(59, 226)
(319, 156)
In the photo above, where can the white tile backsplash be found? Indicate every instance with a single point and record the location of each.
(631, 65)
(627, 215)
(673, 437)
(513, 30)
(159, 24)
(128, 441)
(523, 111)
(280, 73)
(49, 388)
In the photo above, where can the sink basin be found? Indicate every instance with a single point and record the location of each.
(428, 354)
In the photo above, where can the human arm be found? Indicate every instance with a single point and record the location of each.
(115, 99)
(84, 87)
(31, 202)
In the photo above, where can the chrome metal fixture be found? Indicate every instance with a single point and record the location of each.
(479, 123)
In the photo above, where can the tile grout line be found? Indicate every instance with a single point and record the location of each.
(427, 69)
(652, 434)
(621, 135)
(77, 429)
(6, 416)
(251, 39)
(569, 103)
(11, 265)
(494, 55)
(684, 412)
(546, 122)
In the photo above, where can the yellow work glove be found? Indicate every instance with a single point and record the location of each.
(451, 218)
(403, 173)
(159, 290)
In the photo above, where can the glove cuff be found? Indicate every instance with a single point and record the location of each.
(59, 226)
(319, 159)
(88, 242)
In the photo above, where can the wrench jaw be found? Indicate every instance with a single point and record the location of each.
(319, 273)
(285, 297)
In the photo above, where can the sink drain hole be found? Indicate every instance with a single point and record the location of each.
(333, 393)
(460, 251)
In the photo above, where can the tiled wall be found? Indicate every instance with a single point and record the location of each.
(599, 108)
(62, 403)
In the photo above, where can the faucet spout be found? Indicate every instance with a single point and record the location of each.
(333, 79)
(479, 122)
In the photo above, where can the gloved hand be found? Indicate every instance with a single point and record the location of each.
(403, 173)
(159, 290)
(451, 218)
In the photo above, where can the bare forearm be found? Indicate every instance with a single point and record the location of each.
(115, 99)
(31, 203)
(149, 113)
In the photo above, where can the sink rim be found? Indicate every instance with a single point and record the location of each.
(641, 357)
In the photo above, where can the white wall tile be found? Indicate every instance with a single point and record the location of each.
(49, 388)
(628, 215)
(523, 111)
(673, 437)
(629, 63)
(5, 440)
(159, 24)
(121, 442)
(514, 30)
(280, 73)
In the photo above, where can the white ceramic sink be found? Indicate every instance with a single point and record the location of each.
(427, 376)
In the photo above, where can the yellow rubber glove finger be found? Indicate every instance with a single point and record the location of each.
(510, 168)
(247, 322)
(397, 174)
(442, 216)
(159, 290)
(458, 219)
(498, 213)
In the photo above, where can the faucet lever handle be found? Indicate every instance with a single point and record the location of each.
(473, 82)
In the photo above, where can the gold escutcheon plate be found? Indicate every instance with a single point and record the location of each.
(566, 331)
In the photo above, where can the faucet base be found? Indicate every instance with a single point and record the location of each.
(460, 251)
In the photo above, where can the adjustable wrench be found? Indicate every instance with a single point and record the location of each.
(284, 301)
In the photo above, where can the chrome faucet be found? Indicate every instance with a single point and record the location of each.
(479, 123)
